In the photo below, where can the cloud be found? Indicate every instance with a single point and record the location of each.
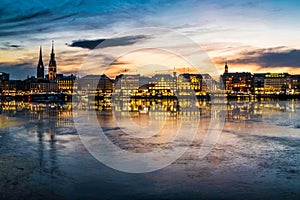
(9, 46)
(112, 42)
(266, 58)
(14, 69)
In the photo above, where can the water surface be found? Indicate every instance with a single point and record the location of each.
(256, 156)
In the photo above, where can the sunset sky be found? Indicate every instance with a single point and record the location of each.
(255, 36)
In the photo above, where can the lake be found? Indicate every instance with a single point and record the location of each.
(238, 150)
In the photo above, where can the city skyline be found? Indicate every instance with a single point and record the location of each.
(252, 36)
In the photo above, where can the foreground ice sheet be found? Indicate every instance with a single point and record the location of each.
(256, 156)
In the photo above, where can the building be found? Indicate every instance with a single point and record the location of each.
(65, 83)
(4, 82)
(40, 67)
(127, 85)
(88, 83)
(15, 87)
(294, 82)
(238, 82)
(163, 85)
(208, 83)
(4, 76)
(52, 65)
(105, 85)
(275, 83)
(42, 87)
(98, 88)
(105, 88)
(259, 83)
(189, 84)
(271, 83)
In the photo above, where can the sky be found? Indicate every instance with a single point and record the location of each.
(150, 36)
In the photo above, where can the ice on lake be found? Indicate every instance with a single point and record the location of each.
(255, 156)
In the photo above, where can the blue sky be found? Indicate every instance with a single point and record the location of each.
(256, 36)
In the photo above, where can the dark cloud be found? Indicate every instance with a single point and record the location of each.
(86, 44)
(18, 70)
(8, 45)
(271, 57)
(112, 42)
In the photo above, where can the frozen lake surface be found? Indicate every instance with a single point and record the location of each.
(257, 155)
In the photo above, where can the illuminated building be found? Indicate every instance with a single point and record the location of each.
(52, 65)
(259, 83)
(127, 85)
(275, 83)
(294, 83)
(105, 88)
(105, 85)
(238, 82)
(40, 87)
(188, 84)
(163, 85)
(4, 82)
(66, 83)
(271, 83)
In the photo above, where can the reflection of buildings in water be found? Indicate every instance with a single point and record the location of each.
(236, 110)
(103, 104)
(52, 152)
(257, 111)
(163, 104)
(64, 118)
(166, 108)
(47, 162)
(60, 114)
(243, 111)
(41, 146)
(161, 127)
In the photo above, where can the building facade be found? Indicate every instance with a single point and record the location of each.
(66, 83)
(271, 83)
(189, 84)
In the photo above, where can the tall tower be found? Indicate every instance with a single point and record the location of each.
(226, 68)
(52, 65)
(40, 67)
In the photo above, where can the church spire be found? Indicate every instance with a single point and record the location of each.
(40, 66)
(40, 54)
(52, 64)
(52, 56)
(226, 67)
(52, 52)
